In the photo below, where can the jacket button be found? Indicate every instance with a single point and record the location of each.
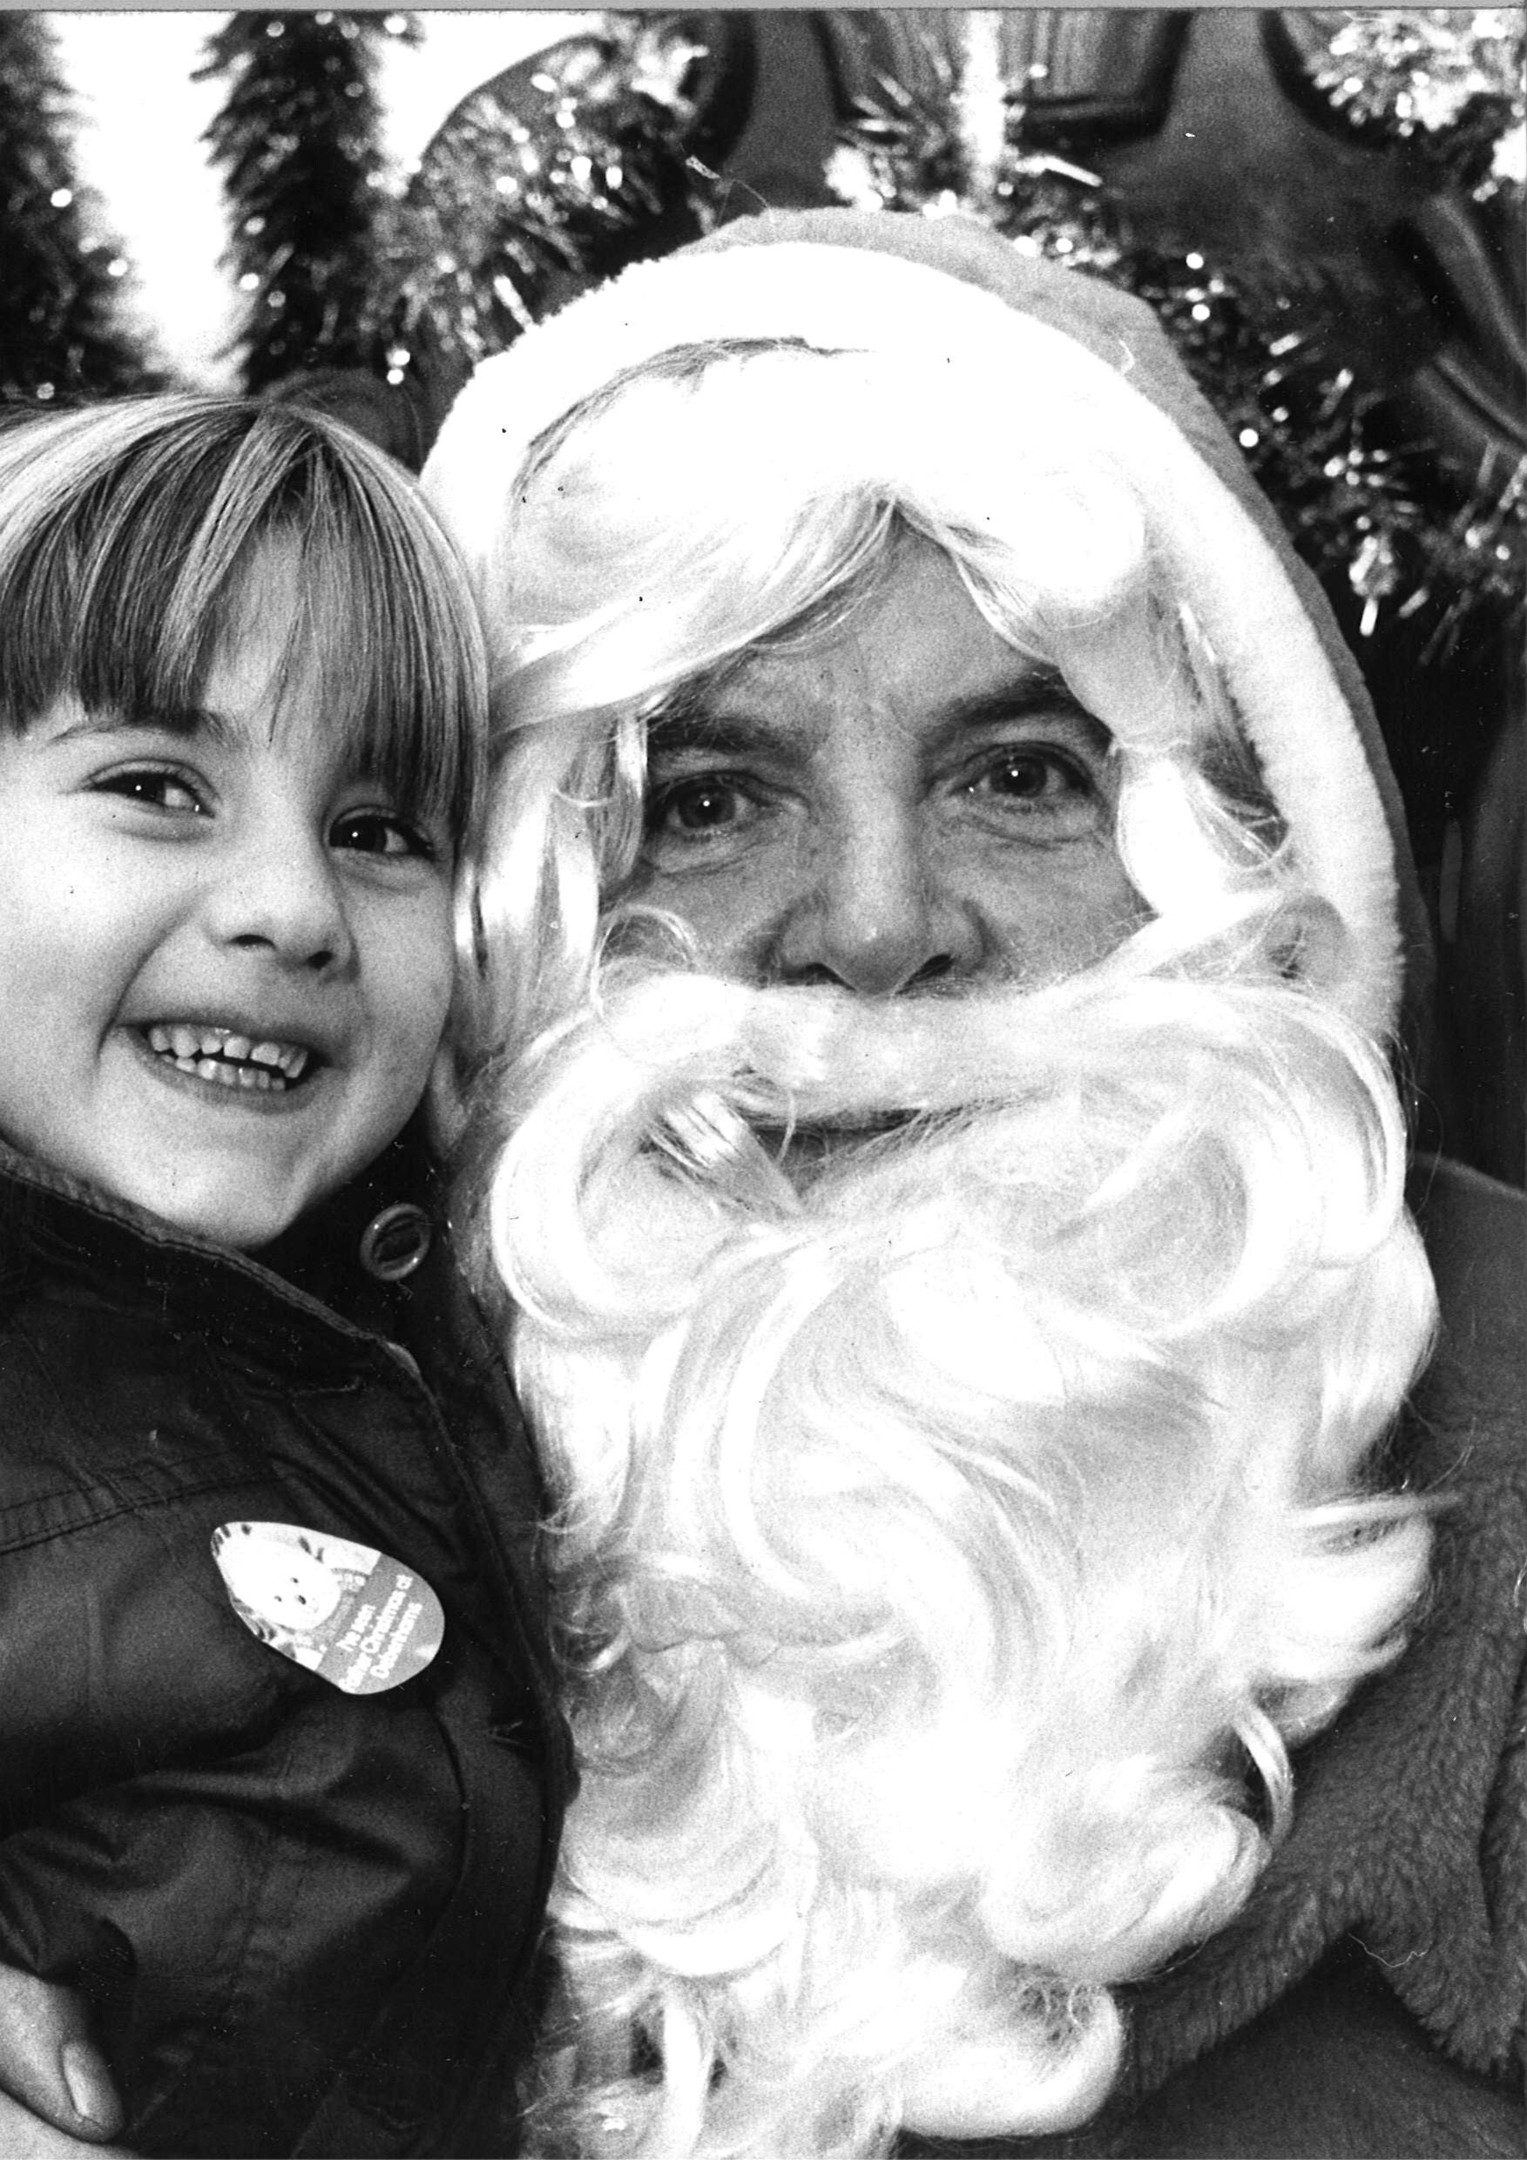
(394, 1242)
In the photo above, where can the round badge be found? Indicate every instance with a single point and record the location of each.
(344, 1611)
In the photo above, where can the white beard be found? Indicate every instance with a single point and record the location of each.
(949, 1537)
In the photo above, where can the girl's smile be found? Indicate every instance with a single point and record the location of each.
(230, 1059)
(225, 954)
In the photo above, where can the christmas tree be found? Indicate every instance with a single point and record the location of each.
(59, 336)
(298, 143)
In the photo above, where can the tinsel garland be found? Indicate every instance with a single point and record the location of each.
(538, 184)
(1360, 503)
(541, 183)
(1448, 80)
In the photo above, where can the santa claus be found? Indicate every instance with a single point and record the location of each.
(948, 1182)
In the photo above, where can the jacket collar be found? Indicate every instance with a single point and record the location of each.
(297, 1292)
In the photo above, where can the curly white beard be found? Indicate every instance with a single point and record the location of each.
(950, 1535)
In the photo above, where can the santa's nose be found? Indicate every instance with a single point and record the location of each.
(876, 918)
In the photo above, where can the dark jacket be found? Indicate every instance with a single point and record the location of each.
(1371, 2000)
(305, 1920)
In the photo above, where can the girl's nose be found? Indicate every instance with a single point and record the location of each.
(877, 918)
(281, 895)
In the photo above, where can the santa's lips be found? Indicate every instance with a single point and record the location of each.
(228, 1059)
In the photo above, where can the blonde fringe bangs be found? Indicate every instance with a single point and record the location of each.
(950, 1539)
(129, 532)
(684, 520)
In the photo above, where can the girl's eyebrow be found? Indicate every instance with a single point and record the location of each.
(179, 720)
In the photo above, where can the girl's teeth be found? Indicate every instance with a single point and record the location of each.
(226, 1059)
(235, 1076)
(291, 1061)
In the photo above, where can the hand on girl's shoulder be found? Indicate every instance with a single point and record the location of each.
(56, 2097)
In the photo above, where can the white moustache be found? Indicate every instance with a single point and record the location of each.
(827, 1056)
(1115, 1071)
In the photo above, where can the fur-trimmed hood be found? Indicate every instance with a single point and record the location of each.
(1099, 361)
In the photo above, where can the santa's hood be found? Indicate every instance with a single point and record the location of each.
(1098, 361)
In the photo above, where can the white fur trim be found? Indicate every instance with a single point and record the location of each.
(1277, 668)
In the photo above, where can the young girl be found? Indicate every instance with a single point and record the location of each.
(281, 1775)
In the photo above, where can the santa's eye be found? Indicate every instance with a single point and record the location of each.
(699, 817)
(1036, 789)
(1031, 776)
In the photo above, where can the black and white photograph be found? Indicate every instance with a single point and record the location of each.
(763, 1084)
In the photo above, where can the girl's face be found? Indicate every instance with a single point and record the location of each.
(225, 955)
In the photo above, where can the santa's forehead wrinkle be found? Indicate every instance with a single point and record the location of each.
(912, 651)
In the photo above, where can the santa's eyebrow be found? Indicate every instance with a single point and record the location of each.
(690, 725)
(696, 717)
(1039, 697)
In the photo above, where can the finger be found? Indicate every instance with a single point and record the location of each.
(24, 2136)
(49, 2065)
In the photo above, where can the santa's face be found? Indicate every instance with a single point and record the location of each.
(903, 802)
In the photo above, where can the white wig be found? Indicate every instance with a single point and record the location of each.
(689, 459)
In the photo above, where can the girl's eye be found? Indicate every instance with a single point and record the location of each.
(381, 832)
(155, 787)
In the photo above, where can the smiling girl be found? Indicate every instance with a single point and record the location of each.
(296, 1869)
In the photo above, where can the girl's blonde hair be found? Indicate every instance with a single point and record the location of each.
(127, 534)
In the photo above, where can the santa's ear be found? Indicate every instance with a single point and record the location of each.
(466, 1032)
(445, 1100)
